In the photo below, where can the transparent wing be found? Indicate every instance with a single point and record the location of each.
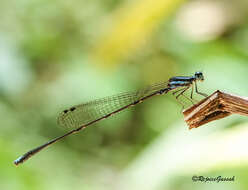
(83, 114)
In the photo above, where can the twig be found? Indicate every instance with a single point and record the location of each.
(216, 106)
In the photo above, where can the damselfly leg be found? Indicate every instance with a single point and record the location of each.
(181, 93)
(196, 90)
(183, 90)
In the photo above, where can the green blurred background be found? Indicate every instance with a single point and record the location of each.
(54, 54)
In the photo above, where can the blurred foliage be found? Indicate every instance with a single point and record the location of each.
(54, 54)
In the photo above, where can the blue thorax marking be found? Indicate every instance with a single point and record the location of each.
(181, 79)
(179, 83)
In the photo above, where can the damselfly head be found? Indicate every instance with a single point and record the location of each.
(199, 76)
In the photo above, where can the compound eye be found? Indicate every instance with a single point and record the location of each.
(198, 75)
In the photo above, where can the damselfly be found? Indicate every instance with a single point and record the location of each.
(81, 116)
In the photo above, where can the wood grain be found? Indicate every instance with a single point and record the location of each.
(216, 106)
